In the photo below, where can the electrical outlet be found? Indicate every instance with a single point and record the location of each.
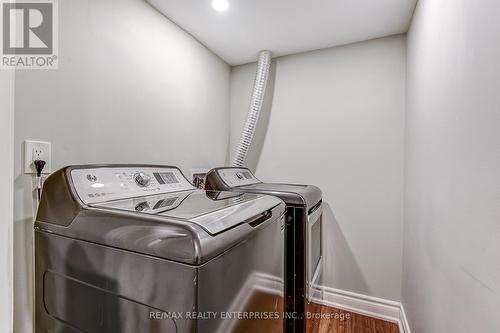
(198, 177)
(36, 150)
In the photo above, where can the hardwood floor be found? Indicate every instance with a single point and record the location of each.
(321, 319)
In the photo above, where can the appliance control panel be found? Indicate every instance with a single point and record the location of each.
(100, 184)
(237, 176)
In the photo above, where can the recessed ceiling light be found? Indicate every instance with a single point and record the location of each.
(220, 5)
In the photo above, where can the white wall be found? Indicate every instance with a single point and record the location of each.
(337, 121)
(451, 279)
(131, 87)
(6, 202)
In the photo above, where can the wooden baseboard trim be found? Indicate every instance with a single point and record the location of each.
(366, 305)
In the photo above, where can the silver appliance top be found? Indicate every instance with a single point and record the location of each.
(150, 209)
(242, 180)
(205, 208)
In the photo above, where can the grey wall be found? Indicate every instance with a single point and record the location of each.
(6, 200)
(336, 120)
(451, 279)
(131, 87)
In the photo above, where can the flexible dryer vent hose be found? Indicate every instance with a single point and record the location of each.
(259, 90)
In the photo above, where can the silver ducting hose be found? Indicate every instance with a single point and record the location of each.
(259, 90)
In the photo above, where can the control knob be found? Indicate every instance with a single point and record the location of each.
(142, 206)
(142, 179)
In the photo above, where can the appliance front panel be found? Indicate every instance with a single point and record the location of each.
(107, 289)
(255, 286)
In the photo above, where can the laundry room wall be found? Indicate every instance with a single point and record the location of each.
(6, 200)
(131, 87)
(451, 275)
(335, 119)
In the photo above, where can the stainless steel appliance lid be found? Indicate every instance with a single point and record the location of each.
(182, 205)
(175, 230)
(291, 194)
(243, 180)
(214, 211)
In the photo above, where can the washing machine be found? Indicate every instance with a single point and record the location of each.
(303, 249)
(136, 248)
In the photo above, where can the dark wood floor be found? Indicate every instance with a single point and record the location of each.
(323, 319)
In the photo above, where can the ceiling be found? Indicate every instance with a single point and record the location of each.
(285, 26)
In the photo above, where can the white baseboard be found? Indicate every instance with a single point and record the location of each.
(366, 305)
(404, 326)
(380, 308)
(268, 283)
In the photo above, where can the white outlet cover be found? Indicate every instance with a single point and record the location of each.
(34, 150)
